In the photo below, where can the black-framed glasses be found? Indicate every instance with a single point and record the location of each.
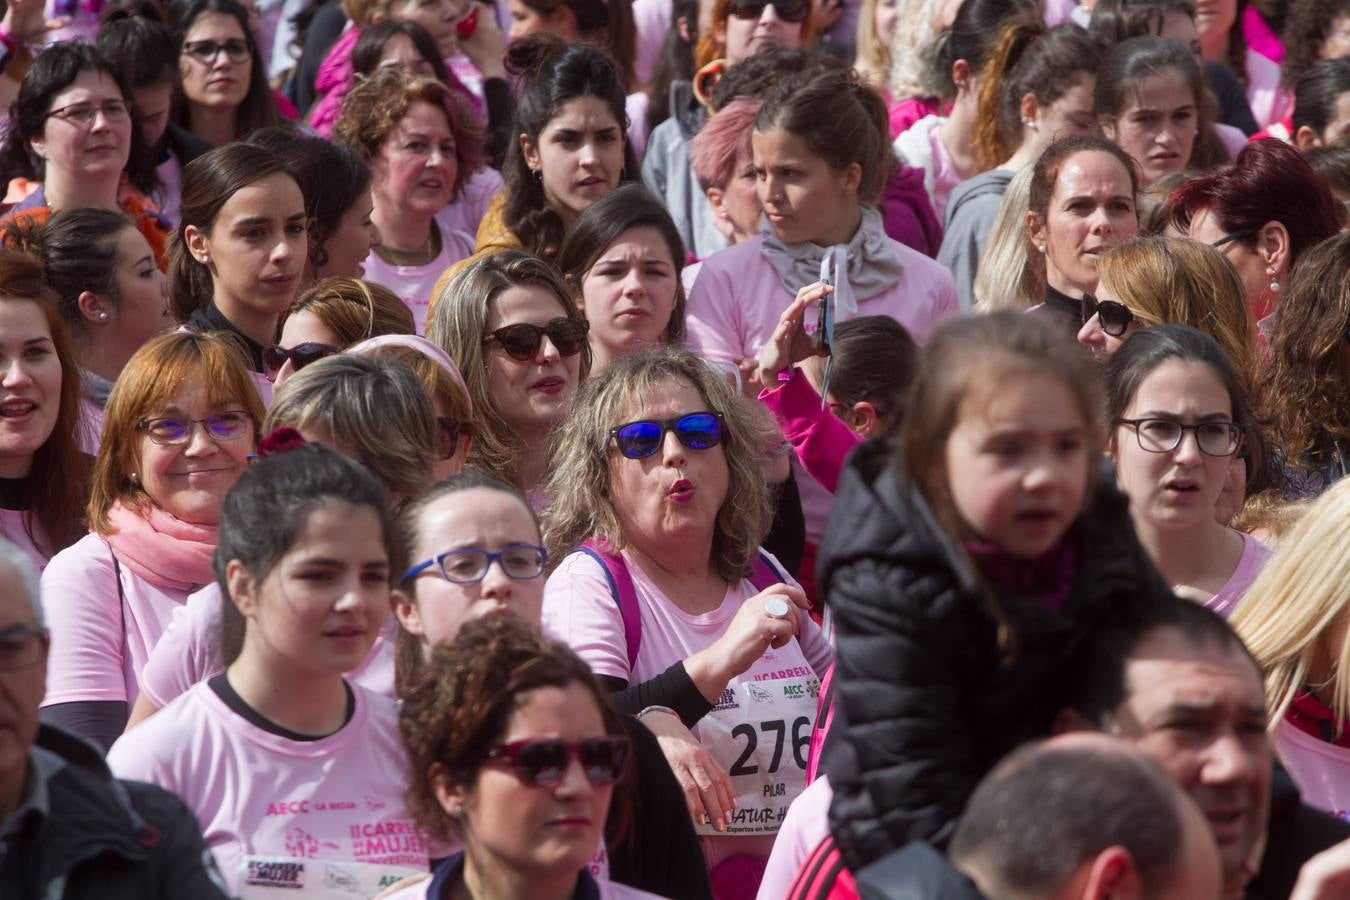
(301, 355)
(171, 430)
(788, 10)
(237, 50)
(469, 565)
(84, 113)
(21, 647)
(543, 763)
(1115, 318)
(522, 340)
(696, 430)
(1164, 435)
(1240, 235)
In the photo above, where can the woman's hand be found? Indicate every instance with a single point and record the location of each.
(707, 786)
(790, 344)
(750, 633)
(485, 48)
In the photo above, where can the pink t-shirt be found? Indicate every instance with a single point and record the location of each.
(1233, 139)
(807, 825)
(609, 890)
(414, 284)
(756, 726)
(471, 204)
(12, 529)
(1254, 556)
(189, 652)
(1270, 103)
(100, 641)
(652, 21)
(1321, 770)
(279, 813)
(738, 297)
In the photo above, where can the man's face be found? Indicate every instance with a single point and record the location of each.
(21, 689)
(1198, 710)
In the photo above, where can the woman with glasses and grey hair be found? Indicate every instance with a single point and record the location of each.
(659, 506)
(1177, 415)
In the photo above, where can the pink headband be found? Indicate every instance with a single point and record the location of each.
(422, 346)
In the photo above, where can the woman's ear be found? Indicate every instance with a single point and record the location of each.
(529, 151)
(243, 588)
(1035, 231)
(1027, 109)
(1272, 243)
(1305, 138)
(405, 610)
(961, 75)
(863, 419)
(198, 244)
(449, 795)
(94, 308)
(851, 178)
(1108, 129)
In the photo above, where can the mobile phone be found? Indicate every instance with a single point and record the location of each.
(468, 25)
(825, 310)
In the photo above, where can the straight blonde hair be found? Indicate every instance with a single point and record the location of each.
(1006, 277)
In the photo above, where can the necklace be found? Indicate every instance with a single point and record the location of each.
(430, 249)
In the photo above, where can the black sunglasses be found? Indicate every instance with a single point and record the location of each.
(697, 431)
(1115, 317)
(449, 430)
(1240, 235)
(301, 355)
(544, 763)
(788, 10)
(522, 341)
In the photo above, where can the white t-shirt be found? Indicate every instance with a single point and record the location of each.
(280, 814)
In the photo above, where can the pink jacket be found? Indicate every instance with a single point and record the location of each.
(819, 437)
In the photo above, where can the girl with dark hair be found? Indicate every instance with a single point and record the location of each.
(44, 478)
(224, 94)
(241, 247)
(1082, 203)
(421, 145)
(111, 296)
(305, 556)
(133, 36)
(1322, 111)
(1036, 88)
(1263, 211)
(71, 131)
(948, 147)
(1221, 40)
(1178, 415)
(622, 260)
(1315, 30)
(336, 185)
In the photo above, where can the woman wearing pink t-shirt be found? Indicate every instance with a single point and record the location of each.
(180, 425)
(515, 751)
(661, 476)
(306, 546)
(1295, 621)
(422, 144)
(1178, 415)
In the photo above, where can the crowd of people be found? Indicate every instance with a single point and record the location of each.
(545, 449)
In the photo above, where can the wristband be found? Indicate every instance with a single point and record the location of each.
(664, 709)
(9, 41)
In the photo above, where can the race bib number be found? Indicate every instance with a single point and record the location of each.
(268, 877)
(761, 731)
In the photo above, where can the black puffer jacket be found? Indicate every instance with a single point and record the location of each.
(926, 701)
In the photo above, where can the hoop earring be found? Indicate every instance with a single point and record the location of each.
(538, 175)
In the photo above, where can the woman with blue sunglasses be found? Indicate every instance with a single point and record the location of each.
(660, 504)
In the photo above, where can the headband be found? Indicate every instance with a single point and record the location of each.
(422, 346)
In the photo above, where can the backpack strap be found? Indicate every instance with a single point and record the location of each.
(763, 573)
(624, 593)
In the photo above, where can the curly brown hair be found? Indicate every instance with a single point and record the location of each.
(375, 105)
(1305, 31)
(1306, 395)
(462, 704)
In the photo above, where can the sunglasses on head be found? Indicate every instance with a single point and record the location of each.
(697, 431)
(522, 341)
(1114, 317)
(788, 10)
(301, 355)
(544, 763)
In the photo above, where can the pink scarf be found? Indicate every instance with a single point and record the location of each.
(165, 551)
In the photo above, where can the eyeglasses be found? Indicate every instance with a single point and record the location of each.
(449, 429)
(788, 10)
(84, 113)
(1114, 317)
(170, 430)
(522, 341)
(1239, 235)
(469, 565)
(301, 355)
(1164, 435)
(697, 431)
(237, 50)
(544, 763)
(21, 647)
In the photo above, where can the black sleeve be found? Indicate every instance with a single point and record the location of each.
(673, 688)
(501, 108)
(1296, 833)
(324, 30)
(1234, 109)
(659, 850)
(100, 721)
(183, 865)
(786, 539)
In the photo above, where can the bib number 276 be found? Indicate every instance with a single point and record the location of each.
(777, 731)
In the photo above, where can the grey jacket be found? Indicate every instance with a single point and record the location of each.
(667, 174)
(971, 211)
